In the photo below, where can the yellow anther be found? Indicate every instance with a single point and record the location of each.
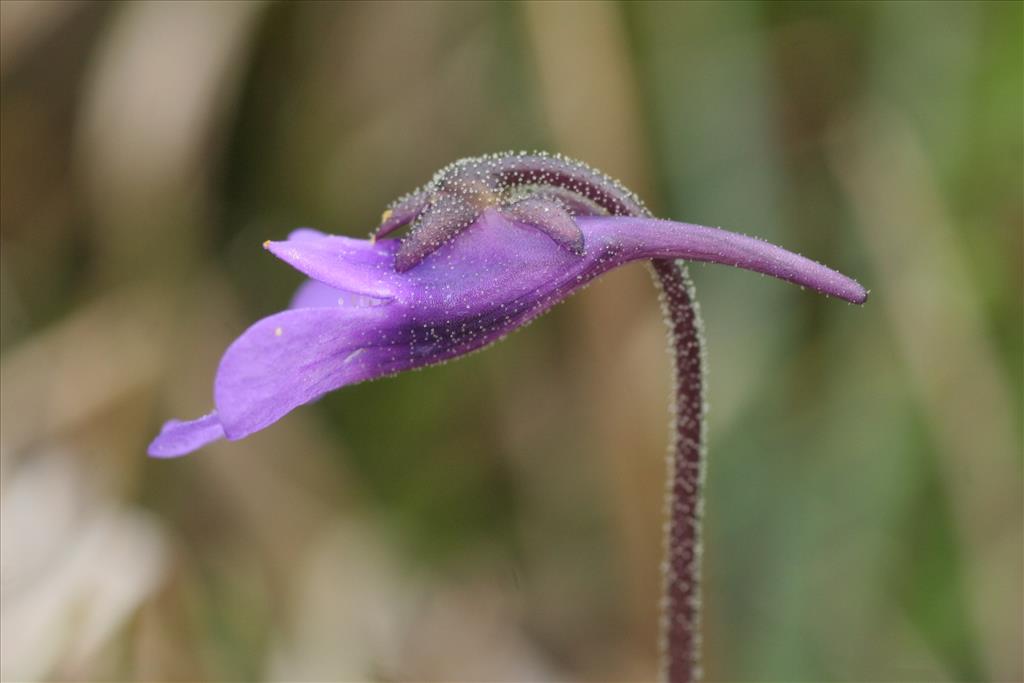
(386, 215)
(266, 244)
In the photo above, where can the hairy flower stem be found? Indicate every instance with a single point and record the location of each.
(680, 615)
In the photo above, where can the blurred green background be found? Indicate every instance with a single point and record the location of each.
(499, 518)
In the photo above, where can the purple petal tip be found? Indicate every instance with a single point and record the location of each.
(179, 438)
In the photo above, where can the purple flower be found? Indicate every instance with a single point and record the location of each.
(494, 243)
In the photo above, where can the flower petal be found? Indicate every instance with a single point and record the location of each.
(352, 265)
(315, 294)
(295, 357)
(643, 238)
(178, 437)
(299, 234)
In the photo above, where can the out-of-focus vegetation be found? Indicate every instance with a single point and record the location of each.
(499, 518)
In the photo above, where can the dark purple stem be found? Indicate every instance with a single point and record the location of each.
(680, 615)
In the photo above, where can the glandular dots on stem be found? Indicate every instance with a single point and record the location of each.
(684, 506)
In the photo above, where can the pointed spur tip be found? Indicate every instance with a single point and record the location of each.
(842, 287)
(849, 291)
(833, 285)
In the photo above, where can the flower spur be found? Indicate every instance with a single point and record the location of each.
(493, 242)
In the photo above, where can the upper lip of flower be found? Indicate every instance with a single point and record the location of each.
(360, 318)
